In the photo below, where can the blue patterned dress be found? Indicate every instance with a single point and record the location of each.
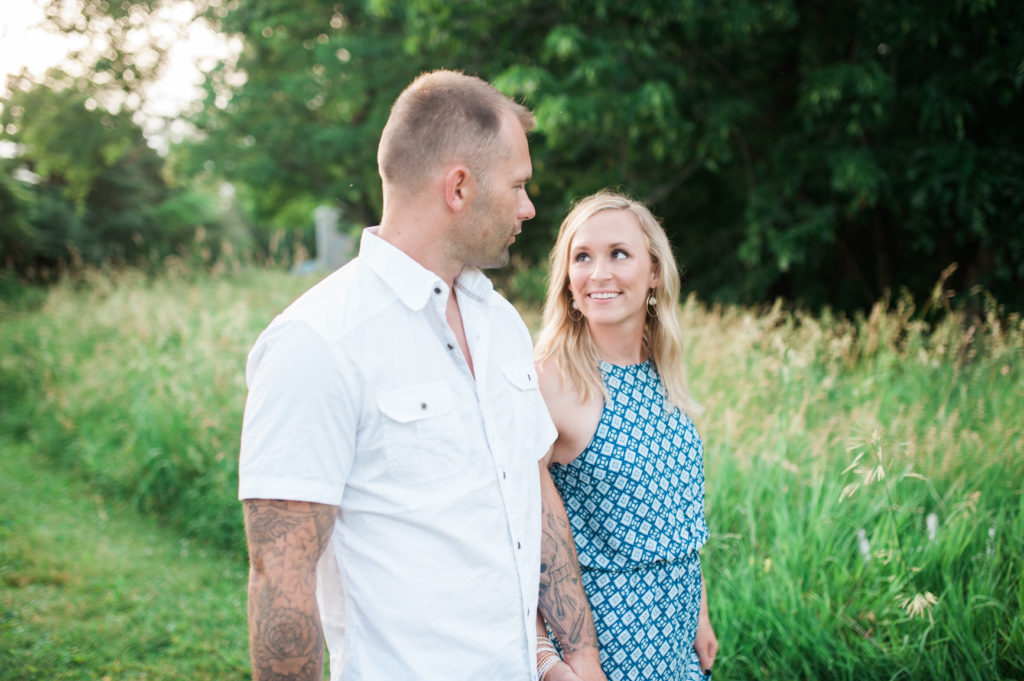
(635, 500)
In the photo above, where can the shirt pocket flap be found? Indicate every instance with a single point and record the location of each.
(522, 375)
(416, 402)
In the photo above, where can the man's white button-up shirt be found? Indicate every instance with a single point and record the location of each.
(360, 397)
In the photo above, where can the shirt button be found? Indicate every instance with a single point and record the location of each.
(518, 545)
(437, 290)
(451, 347)
(503, 476)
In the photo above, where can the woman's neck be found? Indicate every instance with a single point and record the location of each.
(620, 345)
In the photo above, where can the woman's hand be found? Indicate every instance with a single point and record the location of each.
(705, 643)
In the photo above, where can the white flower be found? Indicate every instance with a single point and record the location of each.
(863, 545)
(932, 523)
(919, 604)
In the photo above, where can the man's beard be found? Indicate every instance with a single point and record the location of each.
(482, 228)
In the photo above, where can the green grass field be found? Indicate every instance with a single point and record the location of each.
(91, 590)
(864, 484)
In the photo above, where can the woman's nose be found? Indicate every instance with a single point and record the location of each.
(600, 269)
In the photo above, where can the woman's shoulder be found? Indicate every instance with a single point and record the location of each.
(576, 419)
(549, 377)
(555, 385)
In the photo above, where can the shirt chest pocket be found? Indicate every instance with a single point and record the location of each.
(523, 400)
(423, 438)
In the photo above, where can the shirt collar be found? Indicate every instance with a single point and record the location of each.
(411, 282)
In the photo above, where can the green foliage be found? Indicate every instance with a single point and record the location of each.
(144, 396)
(897, 158)
(95, 181)
(116, 51)
(318, 85)
(84, 188)
(18, 234)
(826, 433)
(819, 428)
(830, 155)
(67, 137)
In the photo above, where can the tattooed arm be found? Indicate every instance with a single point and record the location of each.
(285, 539)
(562, 601)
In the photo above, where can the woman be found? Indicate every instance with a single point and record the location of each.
(628, 461)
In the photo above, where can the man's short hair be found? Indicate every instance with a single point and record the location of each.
(440, 117)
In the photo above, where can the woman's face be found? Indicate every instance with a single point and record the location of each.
(610, 269)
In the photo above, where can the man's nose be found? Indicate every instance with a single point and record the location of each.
(526, 209)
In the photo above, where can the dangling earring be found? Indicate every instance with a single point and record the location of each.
(652, 306)
(574, 307)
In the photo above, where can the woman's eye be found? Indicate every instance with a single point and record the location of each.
(618, 254)
(581, 257)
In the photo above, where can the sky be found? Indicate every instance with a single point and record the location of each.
(25, 44)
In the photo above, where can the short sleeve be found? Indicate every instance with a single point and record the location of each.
(298, 431)
(548, 431)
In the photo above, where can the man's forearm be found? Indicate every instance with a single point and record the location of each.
(285, 636)
(285, 543)
(562, 599)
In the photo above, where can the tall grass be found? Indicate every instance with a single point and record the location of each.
(830, 444)
(864, 475)
(139, 385)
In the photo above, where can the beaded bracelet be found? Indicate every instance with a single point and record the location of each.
(544, 643)
(546, 664)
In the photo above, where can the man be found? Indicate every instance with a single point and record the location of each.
(389, 460)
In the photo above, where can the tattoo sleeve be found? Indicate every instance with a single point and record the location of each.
(562, 600)
(286, 539)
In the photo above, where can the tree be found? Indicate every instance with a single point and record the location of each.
(825, 153)
(898, 155)
(297, 117)
(95, 179)
(84, 186)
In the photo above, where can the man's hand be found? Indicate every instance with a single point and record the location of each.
(561, 672)
(586, 664)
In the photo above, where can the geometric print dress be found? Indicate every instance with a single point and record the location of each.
(635, 501)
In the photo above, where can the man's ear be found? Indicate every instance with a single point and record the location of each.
(459, 188)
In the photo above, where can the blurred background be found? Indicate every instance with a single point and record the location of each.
(831, 154)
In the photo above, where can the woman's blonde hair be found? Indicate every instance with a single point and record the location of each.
(568, 341)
